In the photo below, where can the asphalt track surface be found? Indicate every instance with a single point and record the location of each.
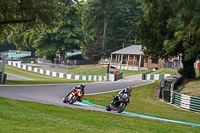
(53, 94)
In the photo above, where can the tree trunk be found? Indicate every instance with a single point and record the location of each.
(104, 32)
(188, 70)
(62, 56)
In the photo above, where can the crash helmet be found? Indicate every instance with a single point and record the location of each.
(128, 90)
(82, 86)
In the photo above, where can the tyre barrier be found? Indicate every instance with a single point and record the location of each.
(169, 94)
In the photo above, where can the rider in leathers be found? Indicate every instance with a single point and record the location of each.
(121, 93)
(81, 89)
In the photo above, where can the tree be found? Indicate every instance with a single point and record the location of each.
(115, 19)
(30, 12)
(66, 36)
(94, 49)
(97, 17)
(5, 46)
(123, 25)
(169, 28)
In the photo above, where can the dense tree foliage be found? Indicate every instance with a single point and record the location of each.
(4, 46)
(98, 27)
(114, 19)
(31, 12)
(65, 36)
(169, 28)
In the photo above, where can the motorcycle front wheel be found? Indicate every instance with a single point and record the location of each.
(64, 100)
(121, 107)
(108, 107)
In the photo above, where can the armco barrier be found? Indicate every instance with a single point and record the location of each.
(186, 102)
(155, 76)
(60, 75)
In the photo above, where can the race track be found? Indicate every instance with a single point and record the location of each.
(53, 94)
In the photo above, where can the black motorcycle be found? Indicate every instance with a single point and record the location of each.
(118, 105)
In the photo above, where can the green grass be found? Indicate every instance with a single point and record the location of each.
(37, 77)
(92, 70)
(143, 102)
(165, 71)
(197, 73)
(83, 70)
(134, 72)
(192, 88)
(22, 117)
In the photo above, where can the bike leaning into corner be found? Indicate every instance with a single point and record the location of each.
(120, 101)
(75, 94)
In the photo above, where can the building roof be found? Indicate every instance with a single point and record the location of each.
(131, 50)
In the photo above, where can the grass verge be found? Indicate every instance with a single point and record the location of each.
(20, 116)
(37, 77)
(192, 88)
(166, 71)
(143, 102)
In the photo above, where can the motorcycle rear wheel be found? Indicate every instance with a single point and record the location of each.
(73, 99)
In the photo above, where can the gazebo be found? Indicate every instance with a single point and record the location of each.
(133, 58)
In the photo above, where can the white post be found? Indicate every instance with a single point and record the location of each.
(128, 61)
(2, 76)
(139, 63)
(116, 58)
(121, 61)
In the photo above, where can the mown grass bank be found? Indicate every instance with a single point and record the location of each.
(37, 78)
(143, 102)
(166, 71)
(20, 116)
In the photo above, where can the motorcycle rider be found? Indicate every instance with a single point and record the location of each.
(81, 89)
(121, 93)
